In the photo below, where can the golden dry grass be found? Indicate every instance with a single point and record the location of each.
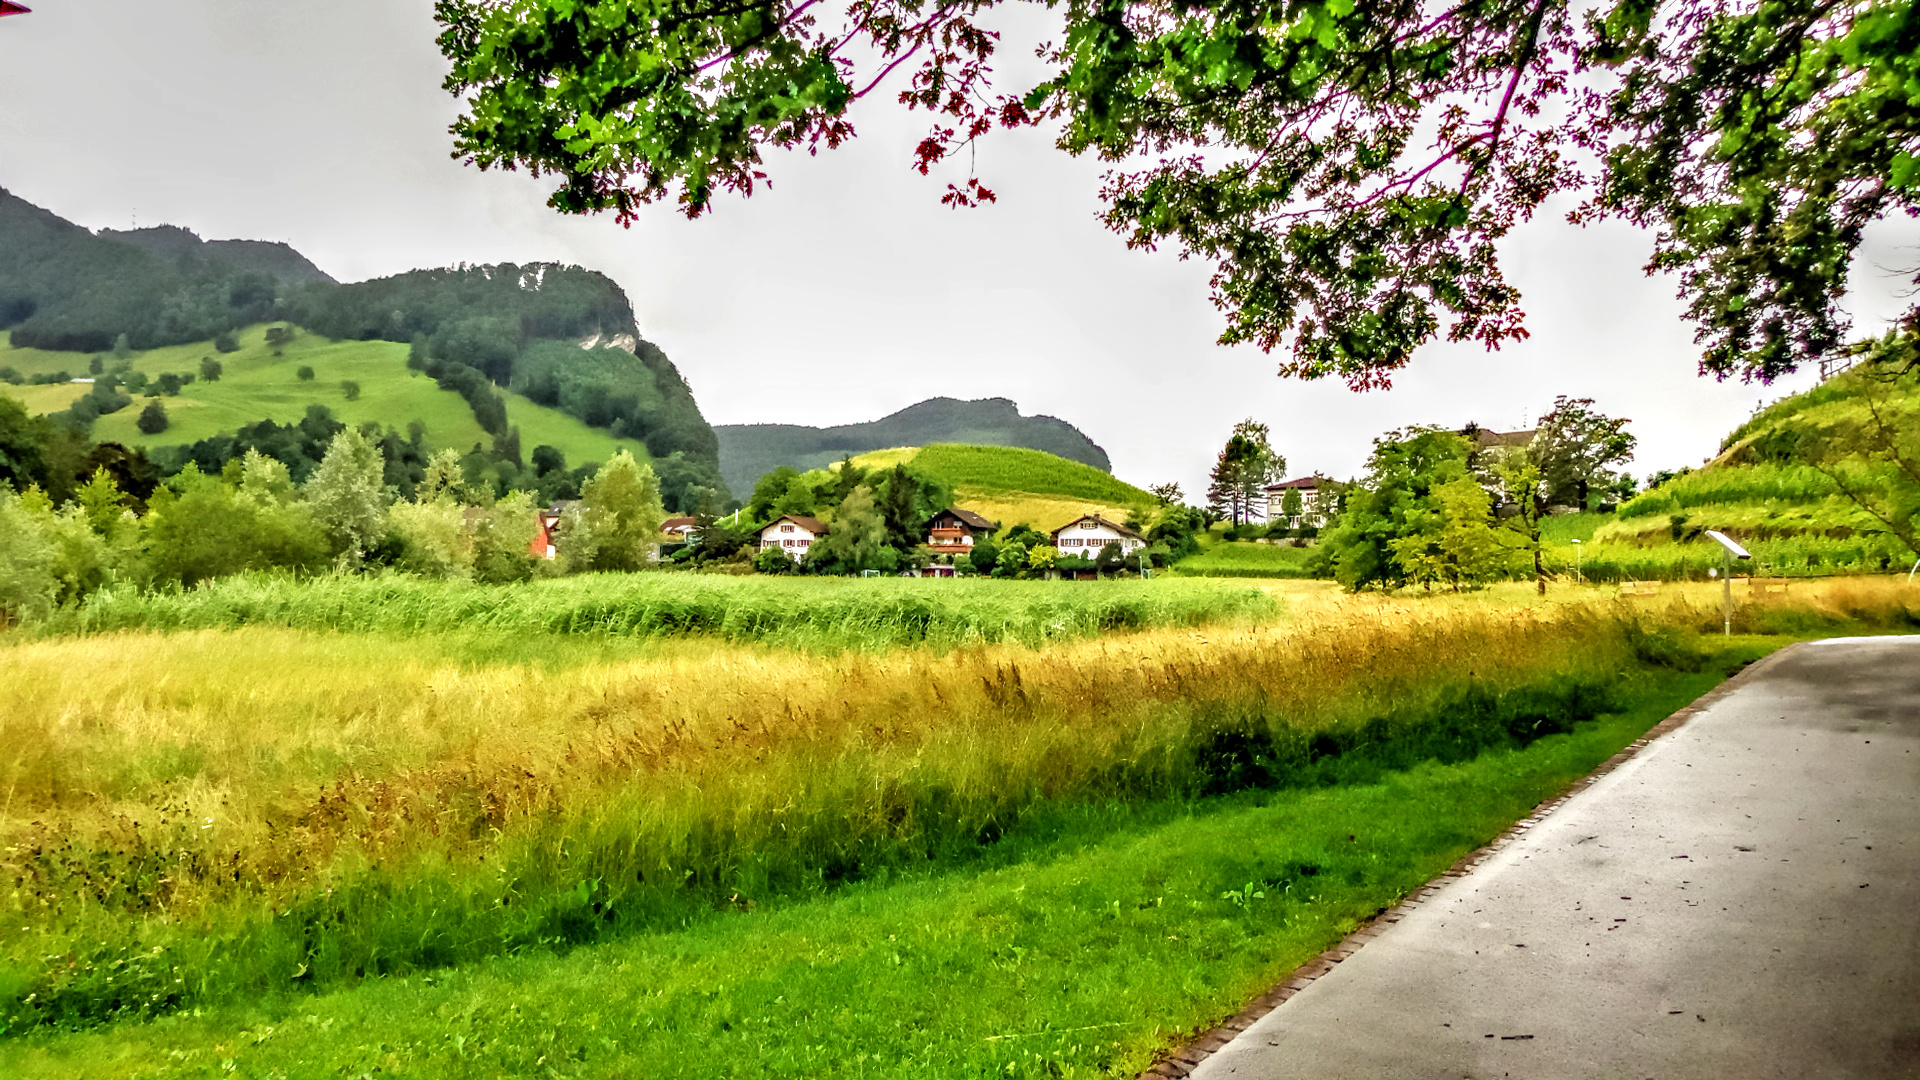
(225, 779)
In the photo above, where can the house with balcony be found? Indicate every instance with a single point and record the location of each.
(954, 532)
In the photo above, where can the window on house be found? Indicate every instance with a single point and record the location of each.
(786, 528)
(1088, 525)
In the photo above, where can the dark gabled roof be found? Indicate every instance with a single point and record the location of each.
(967, 517)
(812, 525)
(1486, 438)
(1098, 520)
(676, 522)
(1305, 483)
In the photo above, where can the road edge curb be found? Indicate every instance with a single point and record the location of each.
(1184, 1059)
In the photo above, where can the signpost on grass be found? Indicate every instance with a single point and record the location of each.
(1730, 551)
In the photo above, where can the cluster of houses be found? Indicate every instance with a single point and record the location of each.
(952, 532)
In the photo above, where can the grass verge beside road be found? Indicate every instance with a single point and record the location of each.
(1103, 934)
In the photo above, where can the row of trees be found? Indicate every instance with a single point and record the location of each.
(344, 518)
(1437, 508)
(1576, 450)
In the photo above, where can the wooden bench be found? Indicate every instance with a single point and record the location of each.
(1762, 586)
(1640, 588)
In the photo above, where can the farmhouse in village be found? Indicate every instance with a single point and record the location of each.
(547, 528)
(680, 530)
(792, 534)
(1312, 490)
(954, 532)
(1088, 535)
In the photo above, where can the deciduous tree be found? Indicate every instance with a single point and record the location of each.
(617, 524)
(1347, 166)
(348, 495)
(1576, 448)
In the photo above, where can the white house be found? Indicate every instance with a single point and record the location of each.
(1088, 535)
(792, 534)
(1312, 490)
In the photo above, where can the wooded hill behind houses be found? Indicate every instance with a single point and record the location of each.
(749, 451)
(562, 336)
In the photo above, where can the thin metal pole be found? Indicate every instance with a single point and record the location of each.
(1726, 593)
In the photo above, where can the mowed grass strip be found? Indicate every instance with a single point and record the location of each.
(1246, 559)
(1116, 936)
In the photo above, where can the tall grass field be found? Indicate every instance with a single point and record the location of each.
(277, 846)
(821, 613)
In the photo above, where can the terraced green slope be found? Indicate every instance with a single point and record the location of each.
(255, 384)
(1010, 485)
(1766, 491)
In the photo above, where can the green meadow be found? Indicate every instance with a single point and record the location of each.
(371, 828)
(258, 384)
(1012, 486)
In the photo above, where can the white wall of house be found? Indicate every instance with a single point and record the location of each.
(1310, 512)
(1088, 537)
(787, 536)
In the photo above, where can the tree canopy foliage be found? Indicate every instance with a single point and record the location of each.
(1236, 487)
(1347, 166)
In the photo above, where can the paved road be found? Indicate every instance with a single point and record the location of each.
(1740, 900)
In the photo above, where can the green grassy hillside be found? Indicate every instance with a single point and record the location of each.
(1010, 485)
(1765, 490)
(256, 385)
(749, 451)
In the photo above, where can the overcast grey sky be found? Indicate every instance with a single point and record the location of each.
(843, 293)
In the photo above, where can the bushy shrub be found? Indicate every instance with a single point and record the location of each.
(153, 419)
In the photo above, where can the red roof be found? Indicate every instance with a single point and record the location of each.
(8, 7)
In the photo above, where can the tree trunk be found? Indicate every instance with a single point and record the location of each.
(1539, 566)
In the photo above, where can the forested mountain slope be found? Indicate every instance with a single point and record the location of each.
(562, 336)
(184, 250)
(749, 451)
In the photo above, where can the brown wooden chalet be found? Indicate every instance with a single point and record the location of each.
(954, 532)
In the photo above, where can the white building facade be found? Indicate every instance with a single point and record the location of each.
(792, 535)
(1312, 514)
(1089, 535)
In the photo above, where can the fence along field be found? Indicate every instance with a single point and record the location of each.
(198, 816)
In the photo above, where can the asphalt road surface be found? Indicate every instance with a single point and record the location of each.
(1740, 900)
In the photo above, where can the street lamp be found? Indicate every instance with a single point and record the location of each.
(1730, 551)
